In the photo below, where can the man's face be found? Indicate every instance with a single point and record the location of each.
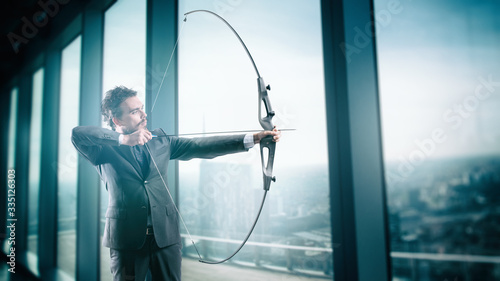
(133, 116)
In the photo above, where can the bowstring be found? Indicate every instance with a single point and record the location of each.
(147, 147)
(168, 64)
(173, 202)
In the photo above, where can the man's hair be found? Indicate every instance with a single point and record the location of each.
(110, 106)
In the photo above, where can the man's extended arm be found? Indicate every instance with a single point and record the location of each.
(205, 147)
(210, 147)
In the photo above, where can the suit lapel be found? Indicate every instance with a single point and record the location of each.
(128, 155)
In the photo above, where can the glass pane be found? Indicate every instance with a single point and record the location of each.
(34, 164)
(219, 198)
(69, 109)
(11, 157)
(125, 46)
(439, 73)
(124, 64)
(11, 161)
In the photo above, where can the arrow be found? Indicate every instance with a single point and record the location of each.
(216, 133)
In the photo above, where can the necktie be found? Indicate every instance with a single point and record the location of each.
(142, 158)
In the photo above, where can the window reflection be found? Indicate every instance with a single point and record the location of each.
(124, 63)
(219, 198)
(34, 162)
(438, 69)
(69, 108)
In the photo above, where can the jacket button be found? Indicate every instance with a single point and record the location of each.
(145, 182)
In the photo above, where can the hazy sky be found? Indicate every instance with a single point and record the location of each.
(431, 58)
(218, 85)
(125, 46)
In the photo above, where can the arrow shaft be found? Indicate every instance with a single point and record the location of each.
(216, 133)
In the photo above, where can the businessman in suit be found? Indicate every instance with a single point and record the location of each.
(141, 220)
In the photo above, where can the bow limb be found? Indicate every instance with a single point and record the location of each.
(232, 29)
(246, 238)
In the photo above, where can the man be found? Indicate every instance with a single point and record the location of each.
(141, 221)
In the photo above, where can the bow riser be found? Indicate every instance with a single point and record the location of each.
(266, 121)
(267, 145)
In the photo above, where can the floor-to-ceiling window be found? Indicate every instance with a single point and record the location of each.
(124, 64)
(67, 165)
(219, 198)
(439, 69)
(34, 163)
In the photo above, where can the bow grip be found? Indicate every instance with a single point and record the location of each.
(267, 168)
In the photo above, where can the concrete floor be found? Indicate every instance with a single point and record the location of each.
(192, 270)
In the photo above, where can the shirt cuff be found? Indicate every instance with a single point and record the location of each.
(120, 139)
(248, 141)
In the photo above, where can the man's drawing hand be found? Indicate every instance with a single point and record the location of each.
(139, 137)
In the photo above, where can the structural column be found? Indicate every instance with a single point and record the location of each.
(161, 38)
(48, 174)
(88, 238)
(358, 208)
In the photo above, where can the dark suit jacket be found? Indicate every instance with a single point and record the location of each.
(130, 192)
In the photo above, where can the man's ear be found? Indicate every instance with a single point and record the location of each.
(116, 121)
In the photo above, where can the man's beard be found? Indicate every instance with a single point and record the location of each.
(128, 131)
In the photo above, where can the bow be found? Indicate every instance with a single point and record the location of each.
(266, 121)
(267, 145)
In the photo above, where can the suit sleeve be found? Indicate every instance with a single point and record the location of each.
(89, 140)
(205, 147)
